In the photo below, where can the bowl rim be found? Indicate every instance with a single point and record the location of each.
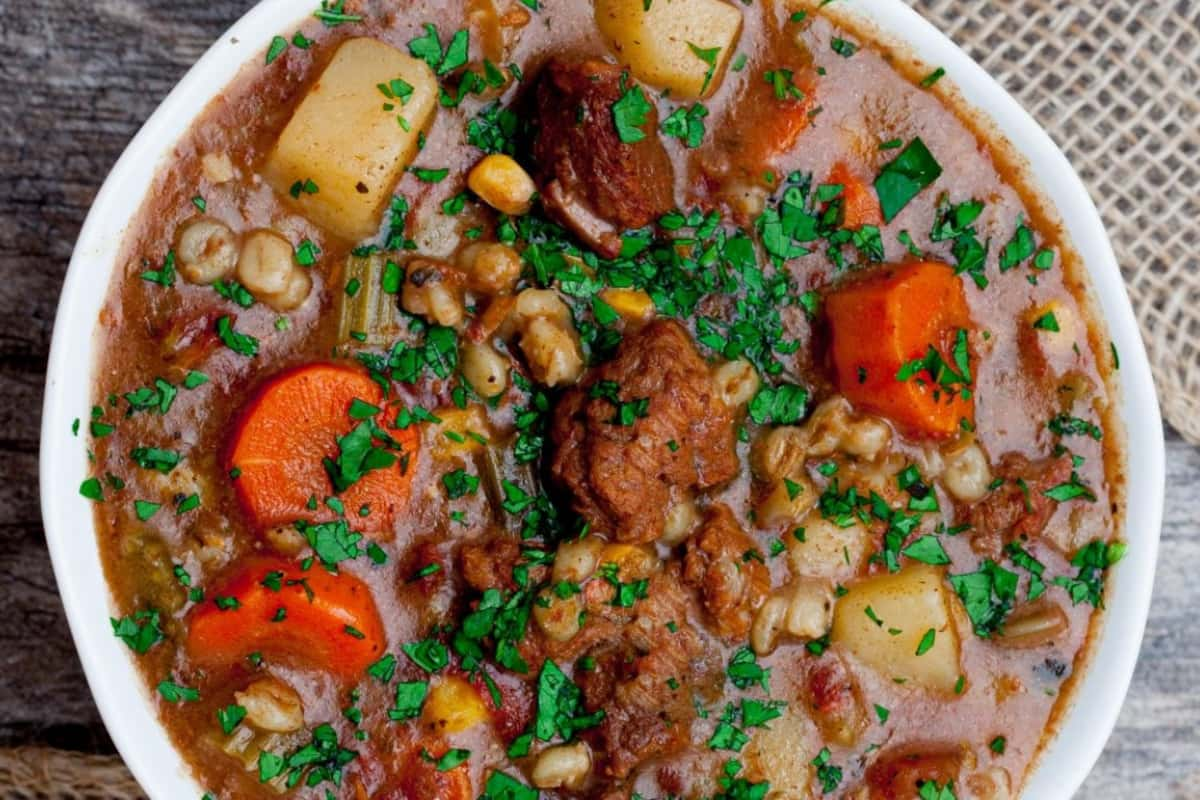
(128, 708)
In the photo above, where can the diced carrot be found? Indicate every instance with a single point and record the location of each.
(882, 325)
(769, 118)
(860, 205)
(286, 432)
(770, 127)
(309, 618)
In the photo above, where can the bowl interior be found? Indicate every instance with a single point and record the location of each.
(129, 711)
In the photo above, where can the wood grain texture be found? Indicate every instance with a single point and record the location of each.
(81, 76)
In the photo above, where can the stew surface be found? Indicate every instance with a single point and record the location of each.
(614, 399)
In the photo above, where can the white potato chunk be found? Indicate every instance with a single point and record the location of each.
(679, 45)
(781, 754)
(349, 142)
(825, 550)
(893, 635)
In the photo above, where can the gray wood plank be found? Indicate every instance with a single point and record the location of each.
(81, 77)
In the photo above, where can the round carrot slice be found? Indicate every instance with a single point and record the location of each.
(310, 618)
(304, 423)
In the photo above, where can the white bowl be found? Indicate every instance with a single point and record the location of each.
(128, 709)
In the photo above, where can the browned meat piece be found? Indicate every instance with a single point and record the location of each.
(624, 478)
(642, 678)
(590, 180)
(721, 562)
(517, 702)
(488, 564)
(418, 561)
(420, 778)
(1017, 508)
(899, 775)
(833, 698)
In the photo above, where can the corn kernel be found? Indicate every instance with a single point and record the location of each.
(503, 184)
(453, 706)
(631, 304)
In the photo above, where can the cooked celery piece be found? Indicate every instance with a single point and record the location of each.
(368, 312)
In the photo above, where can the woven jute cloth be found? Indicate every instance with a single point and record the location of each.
(1117, 84)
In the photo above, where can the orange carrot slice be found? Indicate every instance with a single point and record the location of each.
(308, 618)
(891, 333)
(860, 205)
(292, 426)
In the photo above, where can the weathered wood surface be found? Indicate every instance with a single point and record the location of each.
(80, 77)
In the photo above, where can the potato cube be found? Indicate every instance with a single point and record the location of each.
(781, 754)
(680, 45)
(885, 621)
(349, 140)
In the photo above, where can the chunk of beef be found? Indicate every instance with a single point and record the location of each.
(590, 180)
(721, 562)
(515, 711)
(642, 678)
(625, 477)
(1018, 507)
(420, 778)
(489, 564)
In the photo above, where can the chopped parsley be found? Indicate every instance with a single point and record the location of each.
(630, 113)
(1091, 562)
(843, 47)
(903, 178)
(140, 632)
(987, 594)
(560, 706)
(687, 125)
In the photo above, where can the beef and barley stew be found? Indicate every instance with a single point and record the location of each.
(614, 399)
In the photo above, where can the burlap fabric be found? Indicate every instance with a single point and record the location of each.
(1117, 84)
